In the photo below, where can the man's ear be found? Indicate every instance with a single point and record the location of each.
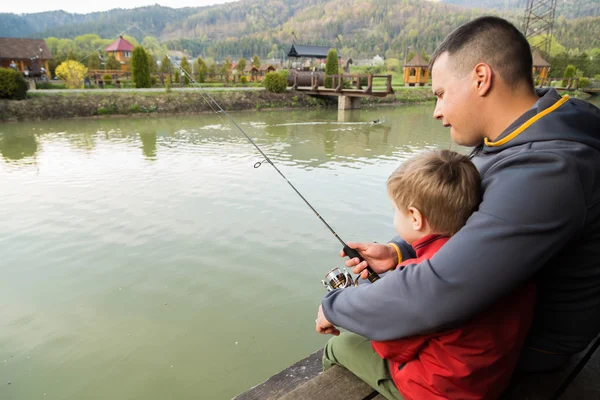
(416, 218)
(482, 78)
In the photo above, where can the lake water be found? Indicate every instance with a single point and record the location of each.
(145, 258)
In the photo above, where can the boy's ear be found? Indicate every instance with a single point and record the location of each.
(416, 218)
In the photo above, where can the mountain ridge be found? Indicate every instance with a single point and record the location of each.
(243, 28)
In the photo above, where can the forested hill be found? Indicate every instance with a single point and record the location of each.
(62, 24)
(267, 27)
(565, 8)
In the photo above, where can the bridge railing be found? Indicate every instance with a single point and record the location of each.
(341, 82)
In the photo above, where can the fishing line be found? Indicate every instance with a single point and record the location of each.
(352, 253)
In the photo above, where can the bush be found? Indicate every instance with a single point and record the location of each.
(72, 73)
(569, 72)
(243, 80)
(49, 85)
(12, 85)
(107, 79)
(275, 82)
(134, 108)
(584, 82)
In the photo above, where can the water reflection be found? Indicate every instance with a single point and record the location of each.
(16, 146)
(148, 144)
(314, 139)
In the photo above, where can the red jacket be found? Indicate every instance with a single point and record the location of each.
(472, 361)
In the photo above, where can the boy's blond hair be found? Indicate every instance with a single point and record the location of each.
(443, 185)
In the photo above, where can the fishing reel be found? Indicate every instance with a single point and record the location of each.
(338, 279)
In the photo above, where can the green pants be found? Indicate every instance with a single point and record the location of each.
(356, 354)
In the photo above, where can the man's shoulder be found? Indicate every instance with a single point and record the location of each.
(562, 151)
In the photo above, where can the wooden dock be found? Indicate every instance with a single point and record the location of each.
(578, 379)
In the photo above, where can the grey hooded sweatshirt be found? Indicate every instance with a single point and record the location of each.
(539, 218)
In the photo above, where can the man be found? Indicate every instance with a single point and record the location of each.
(539, 160)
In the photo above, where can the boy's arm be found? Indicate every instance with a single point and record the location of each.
(403, 249)
(532, 207)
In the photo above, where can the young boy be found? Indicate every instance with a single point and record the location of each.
(433, 195)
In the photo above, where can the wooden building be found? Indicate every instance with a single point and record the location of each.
(252, 71)
(266, 68)
(416, 72)
(541, 68)
(26, 55)
(306, 57)
(122, 50)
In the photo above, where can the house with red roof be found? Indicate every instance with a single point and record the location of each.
(122, 50)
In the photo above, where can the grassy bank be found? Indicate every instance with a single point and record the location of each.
(42, 106)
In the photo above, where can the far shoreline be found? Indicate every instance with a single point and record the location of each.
(40, 106)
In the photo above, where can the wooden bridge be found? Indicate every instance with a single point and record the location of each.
(591, 90)
(347, 87)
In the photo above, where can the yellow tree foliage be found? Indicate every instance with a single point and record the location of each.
(72, 73)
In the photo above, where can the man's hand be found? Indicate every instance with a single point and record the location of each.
(380, 257)
(323, 326)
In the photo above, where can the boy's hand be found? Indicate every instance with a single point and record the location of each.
(323, 326)
(380, 257)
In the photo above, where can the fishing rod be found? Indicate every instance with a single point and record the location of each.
(335, 278)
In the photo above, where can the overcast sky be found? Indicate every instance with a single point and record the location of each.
(84, 7)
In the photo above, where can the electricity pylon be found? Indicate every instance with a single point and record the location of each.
(539, 21)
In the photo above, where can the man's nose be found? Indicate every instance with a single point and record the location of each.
(437, 113)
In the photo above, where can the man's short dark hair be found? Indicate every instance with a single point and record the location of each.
(493, 41)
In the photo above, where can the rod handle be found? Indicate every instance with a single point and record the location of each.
(352, 253)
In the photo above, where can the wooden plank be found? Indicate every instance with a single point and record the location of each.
(336, 383)
(586, 384)
(286, 380)
(547, 385)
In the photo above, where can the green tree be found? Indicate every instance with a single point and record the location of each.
(152, 67)
(226, 69)
(200, 70)
(165, 66)
(112, 62)
(93, 62)
(568, 76)
(555, 47)
(184, 65)
(212, 69)
(71, 55)
(132, 40)
(241, 65)
(393, 64)
(255, 61)
(331, 66)
(139, 65)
